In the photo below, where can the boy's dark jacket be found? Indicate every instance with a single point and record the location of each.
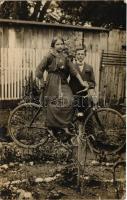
(87, 74)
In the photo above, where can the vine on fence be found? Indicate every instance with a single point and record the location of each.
(31, 90)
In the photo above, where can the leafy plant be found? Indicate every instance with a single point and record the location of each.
(31, 91)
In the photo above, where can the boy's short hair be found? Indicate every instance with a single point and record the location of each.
(81, 48)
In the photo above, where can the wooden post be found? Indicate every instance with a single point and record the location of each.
(81, 154)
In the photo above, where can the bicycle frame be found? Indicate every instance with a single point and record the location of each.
(36, 114)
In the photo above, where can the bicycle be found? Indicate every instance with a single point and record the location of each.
(103, 131)
(103, 128)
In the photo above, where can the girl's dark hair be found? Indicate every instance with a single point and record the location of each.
(55, 40)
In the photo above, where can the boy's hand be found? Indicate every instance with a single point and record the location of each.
(92, 92)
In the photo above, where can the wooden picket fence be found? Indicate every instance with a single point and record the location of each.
(17, 63)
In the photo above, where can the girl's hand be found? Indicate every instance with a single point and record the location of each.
(85, 84)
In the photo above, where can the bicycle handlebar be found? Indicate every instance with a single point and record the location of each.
(84, 90)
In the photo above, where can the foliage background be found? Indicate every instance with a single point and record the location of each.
(108, 14)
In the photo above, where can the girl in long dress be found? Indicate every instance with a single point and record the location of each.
(58, 92)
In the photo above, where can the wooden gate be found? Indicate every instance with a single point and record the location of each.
(112, 77)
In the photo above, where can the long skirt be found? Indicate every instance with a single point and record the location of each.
(59, 105)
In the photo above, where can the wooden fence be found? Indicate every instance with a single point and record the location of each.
(17, 63)
(24, 43)
(112, 76)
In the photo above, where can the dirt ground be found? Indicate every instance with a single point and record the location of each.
(48, 179)
(43, 175)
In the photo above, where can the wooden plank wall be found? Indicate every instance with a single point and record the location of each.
(113, 76)
(23, 47)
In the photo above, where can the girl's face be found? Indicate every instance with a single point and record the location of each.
(59, 45)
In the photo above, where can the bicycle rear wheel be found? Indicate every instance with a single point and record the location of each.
(108, 128)
(26, 125)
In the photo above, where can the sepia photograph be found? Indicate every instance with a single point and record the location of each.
(62, 99)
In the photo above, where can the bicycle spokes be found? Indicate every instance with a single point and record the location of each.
(108, 128)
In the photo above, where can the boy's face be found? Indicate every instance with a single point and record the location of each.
(80, 55)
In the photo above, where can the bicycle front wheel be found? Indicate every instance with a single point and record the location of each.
(26, 125)
(108, 129)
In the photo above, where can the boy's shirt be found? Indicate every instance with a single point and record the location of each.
(87, 74)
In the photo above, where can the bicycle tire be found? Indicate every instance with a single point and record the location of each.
(110, 122)
(18, 130)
